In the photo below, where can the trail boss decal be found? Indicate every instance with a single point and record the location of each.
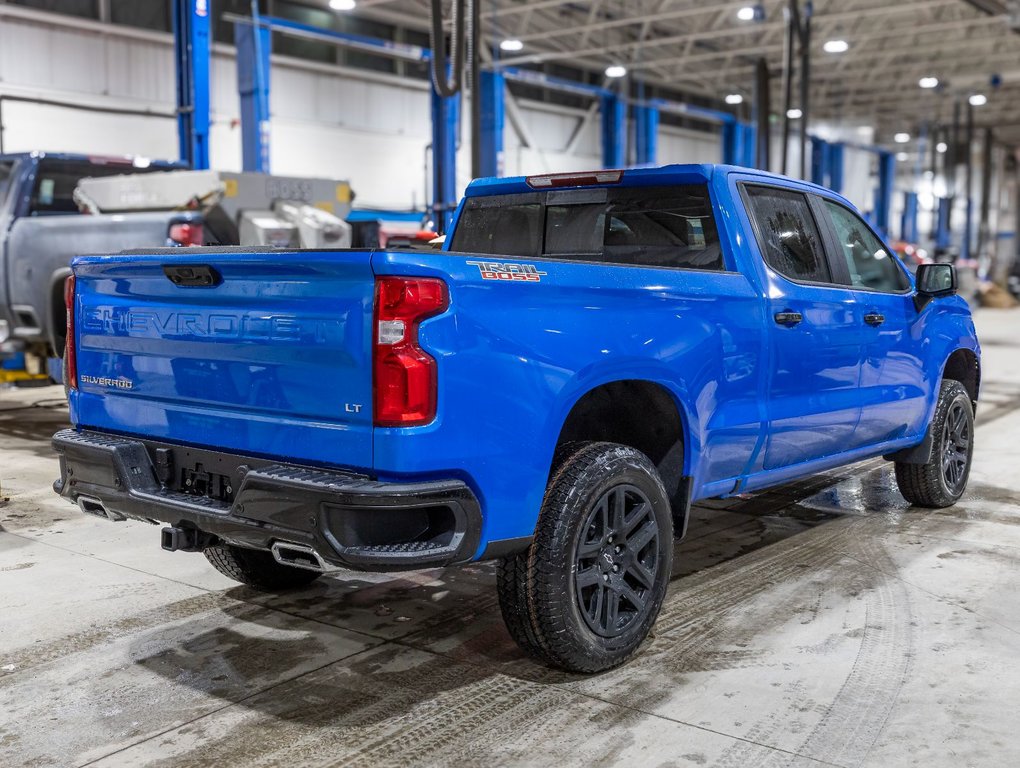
(494, 270)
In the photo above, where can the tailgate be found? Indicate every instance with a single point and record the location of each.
(273, 359)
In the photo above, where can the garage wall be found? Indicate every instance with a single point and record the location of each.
(369, 128)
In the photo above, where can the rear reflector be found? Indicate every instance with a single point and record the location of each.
(574, 179)
(404, 374)
(70, 348)
(186, 234)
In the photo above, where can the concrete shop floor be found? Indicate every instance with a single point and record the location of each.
(824, 623)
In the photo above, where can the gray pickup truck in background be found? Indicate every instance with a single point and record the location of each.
(41, 230)
(54, 207)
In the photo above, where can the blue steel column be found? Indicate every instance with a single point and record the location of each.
(738, 143)
(909, 224)
(943, 237)
(883, 195)
(820, 158)
(614, 130)
(445, 118)
(646, 134)
(836, 153)
(254, 44)
(191, 59)
(492, 87)
(750, 143)
(731, 143)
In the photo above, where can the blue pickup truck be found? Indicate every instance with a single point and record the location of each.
(587, 356)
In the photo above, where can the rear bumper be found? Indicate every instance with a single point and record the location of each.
(350, 520)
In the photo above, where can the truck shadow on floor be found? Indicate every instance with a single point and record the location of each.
(448, 621)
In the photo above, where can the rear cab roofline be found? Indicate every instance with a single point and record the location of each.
(677, 173)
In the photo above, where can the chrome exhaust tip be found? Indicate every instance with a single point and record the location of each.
(300, 556)
(95, 507)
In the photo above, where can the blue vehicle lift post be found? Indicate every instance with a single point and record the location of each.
(827, 163)
(445, 121)
(738, 141)
(613, 110)
(836, 154)
(646, 134)
(820, 169)
(883, 195)
(908, 223)
(492, 92)
(254, 46)
(646, 130)
(191, 59)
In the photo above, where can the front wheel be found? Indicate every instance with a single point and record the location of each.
(942, 480)
(586, 593)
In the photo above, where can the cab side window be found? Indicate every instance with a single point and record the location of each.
(870, 264)
(787, 234)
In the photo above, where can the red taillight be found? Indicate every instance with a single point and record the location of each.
(70, 350)
(186, 234)
(405, 375)
(574, 179)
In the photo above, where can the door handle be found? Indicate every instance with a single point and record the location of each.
(874, 318)
(788, 319)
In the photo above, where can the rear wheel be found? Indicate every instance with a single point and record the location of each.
(257, 568)
(586, 593)
(942, 480)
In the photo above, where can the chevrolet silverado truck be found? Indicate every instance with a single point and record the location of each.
(41, 231)
(588, 355)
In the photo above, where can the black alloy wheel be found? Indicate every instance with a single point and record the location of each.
(955, 447)
(617, 561)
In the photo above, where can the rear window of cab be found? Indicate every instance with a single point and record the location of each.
(637, 226)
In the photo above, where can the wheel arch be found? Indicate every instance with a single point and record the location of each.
(646, 415)
(964, 365)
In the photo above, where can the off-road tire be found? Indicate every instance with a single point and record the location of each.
(927, 485)
(539, 588)
(257, 568)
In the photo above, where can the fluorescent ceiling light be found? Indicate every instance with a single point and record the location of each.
(734, 98)
(746, 13)
(902, 157)
(342, 5)
(901, 138)
(928, 82)
(511, 44)
(941, 147)
(616, 70)
(978, 100)
(836, 46)
(794, 114)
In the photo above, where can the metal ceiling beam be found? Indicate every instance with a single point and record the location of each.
(822, 21)
(629, 21)
(885, 34)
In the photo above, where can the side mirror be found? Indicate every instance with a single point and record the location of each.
(934, 281)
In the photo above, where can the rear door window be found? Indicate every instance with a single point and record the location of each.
(787, 234)
(645, 226)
